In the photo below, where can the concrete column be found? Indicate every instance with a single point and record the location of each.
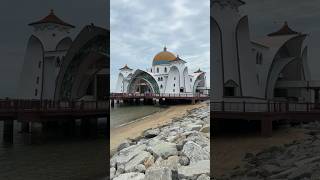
(89, 127)
(112, 103)
(37, 135)
(266, 127)
(8, 131)
(25, 127)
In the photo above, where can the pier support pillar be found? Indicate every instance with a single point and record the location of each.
(8, 131)
(112, 103)
(37, 135)
(25, 127)
(89, 127)
(193, 101)
(266, 127)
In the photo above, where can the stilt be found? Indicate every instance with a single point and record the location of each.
(112, 103)
(266, 127)
(8, 131)
(37, 135)
(25, 127)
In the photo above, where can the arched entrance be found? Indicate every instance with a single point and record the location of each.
(143, 82)
(84, 73)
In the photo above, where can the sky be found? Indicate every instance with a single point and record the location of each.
(15, 15)
(266, 16)
(141, 28)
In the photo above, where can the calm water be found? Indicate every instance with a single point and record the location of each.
(126, 114)
(56, 159)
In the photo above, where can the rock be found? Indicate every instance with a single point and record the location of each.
(194, 127)
(130, 176)
(199, 139)
(172, 163)
(126, 154)
(203, 177)
(184, 160)
(140, 168)
(163, 149)
(195, 152)
(205, 129)
(150, 133)
(120, 169)
(158, 173)
(138, 159)
(194, 170)
(149, 162)
(123, 145)
(112, 172)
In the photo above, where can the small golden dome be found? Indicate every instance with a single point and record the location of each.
(163, 57)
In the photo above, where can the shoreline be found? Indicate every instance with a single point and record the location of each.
(138, 126)
(230, 151)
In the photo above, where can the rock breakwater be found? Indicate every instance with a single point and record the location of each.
(178, 150)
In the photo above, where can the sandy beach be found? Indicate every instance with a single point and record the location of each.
(133, 130)
(228, 151)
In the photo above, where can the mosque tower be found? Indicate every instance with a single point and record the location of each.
(234, 71)
(45, 52)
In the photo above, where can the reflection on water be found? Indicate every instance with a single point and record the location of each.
(58, 159)
(120, 115)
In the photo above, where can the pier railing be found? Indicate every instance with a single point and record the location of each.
(263, 106)
(49, 105)
(157, 95)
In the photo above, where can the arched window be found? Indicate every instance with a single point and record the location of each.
(159, 79)
(39, 64)
(174, 85)
(190, 79)
(161, 86)
(36, 92)
(151, 69)
(165, 69)
(58, 62)
(157, 70)
(174, 78)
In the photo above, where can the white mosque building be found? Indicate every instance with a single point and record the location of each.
(168, 74)
(57, 67)
(271, 68)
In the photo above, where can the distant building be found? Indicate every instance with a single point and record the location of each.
(168, 74)
(57, 67)
(274, 67)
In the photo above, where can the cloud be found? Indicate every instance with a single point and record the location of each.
(140, 29)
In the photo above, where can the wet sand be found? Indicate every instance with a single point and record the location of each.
(229, 150)
(134, 130)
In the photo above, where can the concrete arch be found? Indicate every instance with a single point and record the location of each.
(120, 83)
(144, 77)
(279, 62)
(88, 54)
(64, 44)
(31, 69)
(200, 81)
(217, 66)
(173, 80)
(186, 80)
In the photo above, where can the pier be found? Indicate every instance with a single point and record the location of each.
(160, 98)
(265, 113)
(37, 116)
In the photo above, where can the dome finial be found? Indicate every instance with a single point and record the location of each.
(165, 48)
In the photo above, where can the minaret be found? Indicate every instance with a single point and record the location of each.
(44, 55)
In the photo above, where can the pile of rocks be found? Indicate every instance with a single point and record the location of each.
(179, 150)
(294, 161)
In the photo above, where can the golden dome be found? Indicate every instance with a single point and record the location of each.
(163, 57)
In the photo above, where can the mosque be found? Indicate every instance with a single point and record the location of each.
(168, 74)
(57, 67)
(271, 68)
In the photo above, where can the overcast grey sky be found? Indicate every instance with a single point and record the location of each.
(14, 18)
(267, 16)
(140, 29)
